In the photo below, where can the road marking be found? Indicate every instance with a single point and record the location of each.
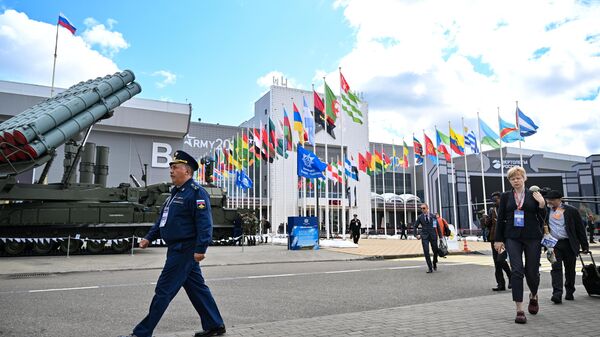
(231, 278)
(62, 289)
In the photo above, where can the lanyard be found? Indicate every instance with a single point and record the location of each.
(519, 198)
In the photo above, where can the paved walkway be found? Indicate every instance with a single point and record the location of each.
(390, 248)
(491, 315)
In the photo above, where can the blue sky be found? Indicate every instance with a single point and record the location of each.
(417, 63)
(216, 49)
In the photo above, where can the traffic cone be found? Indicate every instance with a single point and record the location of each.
(465, 247)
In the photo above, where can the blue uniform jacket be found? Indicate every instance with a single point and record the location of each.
(189, 217)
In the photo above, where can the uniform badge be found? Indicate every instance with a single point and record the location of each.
(201, 204)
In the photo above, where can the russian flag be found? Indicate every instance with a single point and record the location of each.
(63, 21)
(526, 126)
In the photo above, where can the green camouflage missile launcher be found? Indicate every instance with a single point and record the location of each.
(84, 216)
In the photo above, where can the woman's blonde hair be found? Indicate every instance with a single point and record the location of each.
(516, 170)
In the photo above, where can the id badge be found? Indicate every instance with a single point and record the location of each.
(434, 223)
(163, 218)
(519, 218)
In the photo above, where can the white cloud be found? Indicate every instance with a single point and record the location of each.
(97, 34)
(168, 78)
(414, 62)
(27, 47)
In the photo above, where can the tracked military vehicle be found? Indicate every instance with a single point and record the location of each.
(84, 216)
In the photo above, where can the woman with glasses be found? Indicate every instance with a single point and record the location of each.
(429, 235)
(519, 231)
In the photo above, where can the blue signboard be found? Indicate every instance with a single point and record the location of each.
(303, 232)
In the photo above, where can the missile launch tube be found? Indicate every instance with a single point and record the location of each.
(80, 122)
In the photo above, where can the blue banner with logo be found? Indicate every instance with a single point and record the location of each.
(309, 165)
(303, 232)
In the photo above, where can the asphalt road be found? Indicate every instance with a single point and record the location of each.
(111, 303)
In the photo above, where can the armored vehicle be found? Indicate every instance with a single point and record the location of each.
(70, 216)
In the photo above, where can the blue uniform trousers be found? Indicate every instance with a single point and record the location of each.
(180, 270)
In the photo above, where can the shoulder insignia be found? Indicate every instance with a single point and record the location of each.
(195, 187)
(200, 204)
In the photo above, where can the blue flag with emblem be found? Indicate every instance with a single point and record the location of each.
(309, 165)
(243, 180)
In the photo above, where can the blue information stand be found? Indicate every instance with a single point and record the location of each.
(303, 232)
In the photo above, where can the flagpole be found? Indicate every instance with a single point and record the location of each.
(343, 160)
(54, 64)
(437, 156)
(415, 179)
(481, 164)
(269, 208)
(260, 190)
(254, 185)
(425, 174)
(327, 195)
(519, 128)
(375, 188)
(454, 210)
(467, 178)
(247, 165)
(501, 158)
(383, 192)
(404, 183)
(394, 185)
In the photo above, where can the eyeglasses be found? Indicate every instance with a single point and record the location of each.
(423, 208)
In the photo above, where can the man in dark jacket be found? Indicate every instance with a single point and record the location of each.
(428, 236)
(591, 226)
(355, 226)
(566, 226)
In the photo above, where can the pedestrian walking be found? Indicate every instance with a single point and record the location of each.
(185, 225)
(403, 231)
(500, 263)
(355, 226)
(591, 226)
(519, 231)
(566, 226)
(428, 236)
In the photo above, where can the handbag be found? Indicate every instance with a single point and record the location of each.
(442, 248)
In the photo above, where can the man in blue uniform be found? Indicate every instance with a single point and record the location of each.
(185, 224)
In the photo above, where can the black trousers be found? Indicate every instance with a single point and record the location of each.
(564, 256)
(500, 264)
(403, 234)
(531, 270)
(355, 236)
(426, 241)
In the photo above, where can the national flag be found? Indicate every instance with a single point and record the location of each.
(309, 165)
(370, 163)
(332, 174)
(348, 169)
(489, 137)
(267, 146)
(441, 148)
(331, 110)
(309, 122)
(339, 168)
(63, 21)
(404, 155)
(418, 149)
(378, 161)
(245, 146)
(350, 101)
(396, 161)
(386, 160)
(298, 125)
(508, 131)
(362, 163)
(287, 130)
(354, 166)
(457, 143)
(319, 109)
(430, 149)
(258, 142)
(525, 125)
(243, 180)
(272, 134)
(471, 141)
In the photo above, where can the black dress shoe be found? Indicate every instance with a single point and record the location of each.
(218, 331)
(569, 297)
(556, 299)
(430, 271)
(435, 266)
(498, 288)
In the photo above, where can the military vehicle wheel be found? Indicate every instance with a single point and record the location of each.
(72, 247)
(43, 247)
(95, 247)
(14, 248)
(121, 246)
